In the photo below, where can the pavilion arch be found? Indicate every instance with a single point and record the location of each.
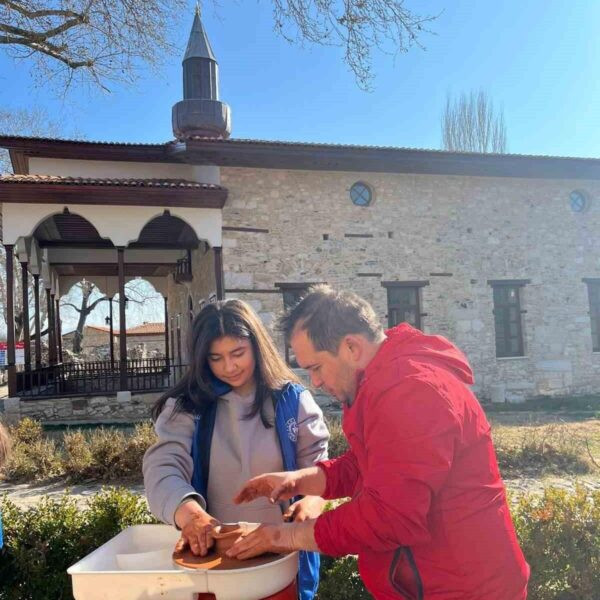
(118, 224)
(166, 229)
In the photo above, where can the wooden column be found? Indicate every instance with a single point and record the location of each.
(38, 333)
(218, 251)
(10, 322)
(166, 331)
(59, 331)
(26, 332)
(54, 332)
(111, 335)
(178, 318)
(122, 326)
(51, 347)
(172, 327)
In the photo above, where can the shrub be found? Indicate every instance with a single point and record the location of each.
(560, 537)
(107, 447)
(34, 456)
(78, 458)
(135, 447)
(340, 580)
(41, 542)
(338, 444)
(103, 454)
(26, 431)
(543, 450)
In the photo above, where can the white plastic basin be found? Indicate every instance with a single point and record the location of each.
(136, 565)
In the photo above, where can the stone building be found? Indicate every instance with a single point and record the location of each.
(497, 252)
(150, 337)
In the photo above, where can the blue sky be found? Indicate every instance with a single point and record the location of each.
(538, 60)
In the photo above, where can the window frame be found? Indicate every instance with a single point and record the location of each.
(286, 287)
(505, 307)
(417, 286)
(594, 284)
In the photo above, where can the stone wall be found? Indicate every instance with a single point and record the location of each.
(454, 232)
(200, 290)
(122, 407)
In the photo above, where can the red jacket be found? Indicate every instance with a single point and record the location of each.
(428, 516)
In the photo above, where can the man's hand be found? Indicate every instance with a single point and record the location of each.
(283, 486)
(274, 486)
(309, 507)
(196, 529)
(283, 538)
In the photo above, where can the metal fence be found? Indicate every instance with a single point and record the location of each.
(98, 377)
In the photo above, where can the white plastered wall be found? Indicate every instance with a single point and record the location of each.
(120, 224)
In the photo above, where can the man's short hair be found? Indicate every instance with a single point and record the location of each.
(328, 315)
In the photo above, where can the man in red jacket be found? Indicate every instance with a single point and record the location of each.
(428, 515)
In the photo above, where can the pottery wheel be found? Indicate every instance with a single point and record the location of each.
(216, 562)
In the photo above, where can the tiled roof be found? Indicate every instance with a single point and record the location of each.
(292, 144)
(79, 141)
(149, 183)
(147, 329)
(144, 329)
(364, 147)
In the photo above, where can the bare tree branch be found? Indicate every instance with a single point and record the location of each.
(105, 41)
(100, 40)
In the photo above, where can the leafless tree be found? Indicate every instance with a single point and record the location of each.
(85, 296)
(35, 122)
(357, 26)
(471, 124)
(94, 40)
(84, 308)
(103, 41)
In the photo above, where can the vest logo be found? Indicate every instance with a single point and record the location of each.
(292, 429)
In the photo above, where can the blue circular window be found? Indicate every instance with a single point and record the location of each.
(578, 201)
(361, 194)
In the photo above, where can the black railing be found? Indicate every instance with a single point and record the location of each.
(183, 269)
(98, 377)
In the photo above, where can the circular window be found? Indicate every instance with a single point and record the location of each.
(578, 201)
(361, 194)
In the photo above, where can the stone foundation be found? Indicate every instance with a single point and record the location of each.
(121, 408)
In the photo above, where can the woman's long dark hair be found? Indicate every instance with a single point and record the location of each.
(235, 318)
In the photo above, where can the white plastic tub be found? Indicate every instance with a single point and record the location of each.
(136, 565)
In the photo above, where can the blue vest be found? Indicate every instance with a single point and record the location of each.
(286, 426)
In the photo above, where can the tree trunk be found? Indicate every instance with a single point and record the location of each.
(84, 311)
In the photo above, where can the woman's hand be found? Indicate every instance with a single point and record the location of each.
(196, 528)
(309, 507)
(274, 486)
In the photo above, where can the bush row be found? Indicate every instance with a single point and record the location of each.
(111, 455)
(559, 533)
(103, 454)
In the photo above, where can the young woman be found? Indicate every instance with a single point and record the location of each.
(238, 412)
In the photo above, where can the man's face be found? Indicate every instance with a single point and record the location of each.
(334, 373)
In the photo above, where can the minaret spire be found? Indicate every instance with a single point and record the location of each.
(200, 112)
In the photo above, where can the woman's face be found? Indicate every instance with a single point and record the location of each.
(231, 360)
